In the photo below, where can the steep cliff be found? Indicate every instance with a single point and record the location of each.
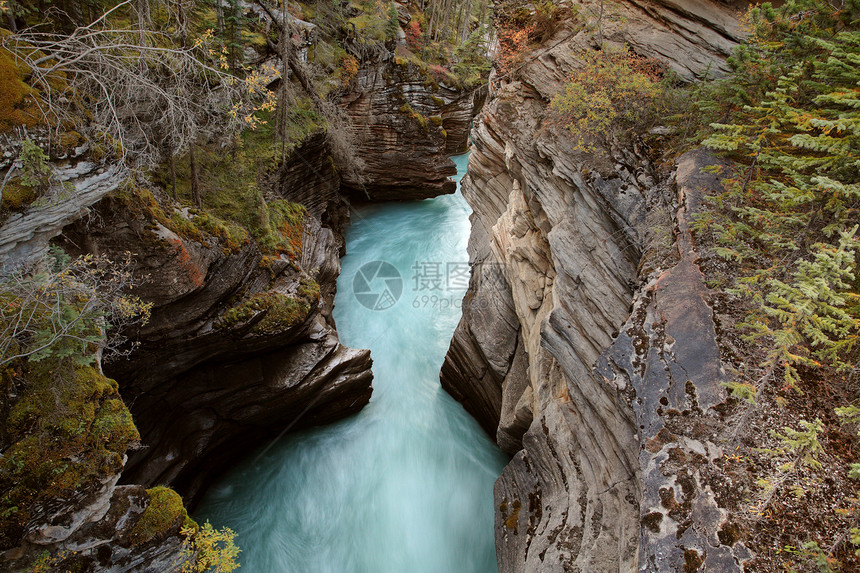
(587, 346)
(239, 345)
(407, 124)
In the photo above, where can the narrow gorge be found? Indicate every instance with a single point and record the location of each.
(240, 344)
(405, 484)
(442, 287)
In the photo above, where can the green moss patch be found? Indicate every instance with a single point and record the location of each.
(165, 511)
(283, 228)
(69, 429)
(416, 116)
(200, 225)
(16, 196)
(18, 103)
(281, 312)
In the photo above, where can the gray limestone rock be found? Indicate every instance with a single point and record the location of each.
(601, 348)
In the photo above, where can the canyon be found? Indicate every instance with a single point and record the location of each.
(588, 347)
(240, 346)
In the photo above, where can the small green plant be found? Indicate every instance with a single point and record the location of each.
(811, 553)
(850, 415)
(471, 64)
(742, 390)
(35, 172)
(803, 443)
(393, 23)
(209, 550)
(63, 309)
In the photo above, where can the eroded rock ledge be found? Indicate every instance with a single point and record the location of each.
(407, 125)
(203, 385)
(587, 346)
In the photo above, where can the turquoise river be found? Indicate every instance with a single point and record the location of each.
(406, 485)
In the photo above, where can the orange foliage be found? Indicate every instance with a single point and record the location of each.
(414, 35)
(513, 45)
(295, 239)
(610, 89)
(350, 67)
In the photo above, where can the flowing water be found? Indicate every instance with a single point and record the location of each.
(406, 485)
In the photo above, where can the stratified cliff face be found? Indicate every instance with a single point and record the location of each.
(587, 346)
(406, 126)
(235, 351)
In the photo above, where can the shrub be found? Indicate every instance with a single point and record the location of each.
(513, 45)
(64, 309)
(414, 35)
(210, 550)
(609, 90)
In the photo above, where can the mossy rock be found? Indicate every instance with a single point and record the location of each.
(69, 430)
(71, 139)
(282, 231)
(282, 312)
(199, 226)
(18, 104)
(164, 513)
(17, 196)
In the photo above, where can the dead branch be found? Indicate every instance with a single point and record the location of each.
(130, 86)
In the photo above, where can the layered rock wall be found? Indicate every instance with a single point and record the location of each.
(587, 347)
(202, 386)
(406, 126)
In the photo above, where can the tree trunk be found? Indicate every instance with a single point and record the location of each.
(10, 13)
(172, 162)
(482, 15)
(235, 8)
(195, 178)
(183, 25)
(288, 55)
(467, 20)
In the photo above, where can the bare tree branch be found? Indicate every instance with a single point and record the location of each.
(130, 86)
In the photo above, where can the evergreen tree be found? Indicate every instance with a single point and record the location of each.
(797, 196)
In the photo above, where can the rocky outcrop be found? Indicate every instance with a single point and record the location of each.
(693, 37)
(308, 176)
(240, 347)
(98, 530)
(406, 125)
(587, 347)
(667, 359)
(236, 350)
(79, 185)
